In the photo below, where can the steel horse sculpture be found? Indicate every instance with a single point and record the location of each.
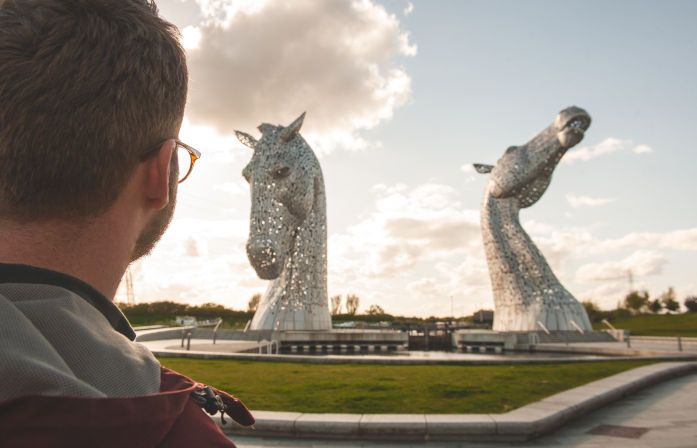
(527, 294)
(288, 229)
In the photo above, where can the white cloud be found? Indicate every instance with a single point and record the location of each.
(470, 173)
(640, 263)
(232, 188)
(558, 243)
(191, 36)
(425, 287)
(607, 146)
(409, 9)
(408, 251)
(269, 61)
(580, 201)
(222, 11)
(608, 295)
(223, 149)
(408, 226)
(642, 149)
(681, 239)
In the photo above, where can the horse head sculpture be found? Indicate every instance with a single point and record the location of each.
(527, 294)
(288, 236)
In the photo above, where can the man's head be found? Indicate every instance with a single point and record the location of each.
(86, 87)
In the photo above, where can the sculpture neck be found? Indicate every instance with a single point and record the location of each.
(508, 246)
(503, 234)
(500, 214)
(305, 270)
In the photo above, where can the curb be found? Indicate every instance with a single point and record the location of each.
(525, 423)
(583, 356)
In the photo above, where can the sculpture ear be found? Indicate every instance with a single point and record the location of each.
(292, 129)
(483, 169)
(246, 139)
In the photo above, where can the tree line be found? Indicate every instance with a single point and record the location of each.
(639, 302)
(164, 312)
(343, 309)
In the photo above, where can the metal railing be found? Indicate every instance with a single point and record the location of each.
(606, 322)
(571, 321)
(215, 329)
(186, 334)
(269, 346)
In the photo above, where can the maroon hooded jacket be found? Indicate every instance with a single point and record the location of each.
(71, 375)
(169, 419)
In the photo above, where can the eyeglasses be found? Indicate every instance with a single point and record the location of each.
(186, 157)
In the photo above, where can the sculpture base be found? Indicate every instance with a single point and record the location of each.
(299, 341)
(566, 315)
(312, 319)
(342, 341)
(490, 340)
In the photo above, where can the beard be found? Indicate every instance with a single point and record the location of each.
(156, 227)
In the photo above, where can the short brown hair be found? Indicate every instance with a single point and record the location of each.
(86, 86)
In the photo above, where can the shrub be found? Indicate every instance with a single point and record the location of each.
(691, 304)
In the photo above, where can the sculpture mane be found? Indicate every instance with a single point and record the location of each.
(526, 291)
(288, 229)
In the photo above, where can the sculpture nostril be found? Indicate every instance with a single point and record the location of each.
(261, 255)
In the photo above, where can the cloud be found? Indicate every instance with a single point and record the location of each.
(191, 37)
(427, 287)
(681, 239)
(607, 146)
(198, 260)
(640, 263)
(580, 201)
(608, 295)
(268, 61)
(409, 9)
(685, 239)
(642, 149)
(408, 251)
(233, 188)
(470, 173)
(408, 226)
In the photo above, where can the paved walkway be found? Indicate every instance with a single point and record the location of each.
(661, 416)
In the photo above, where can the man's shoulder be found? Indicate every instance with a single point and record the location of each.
(55, 343)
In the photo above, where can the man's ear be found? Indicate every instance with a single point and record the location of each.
(157, 168)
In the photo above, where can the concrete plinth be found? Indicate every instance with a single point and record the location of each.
(483, 340)
(343, 340)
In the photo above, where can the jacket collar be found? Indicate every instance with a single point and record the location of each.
(21, 273)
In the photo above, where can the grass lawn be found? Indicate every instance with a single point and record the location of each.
(657, 324)
(377, 389)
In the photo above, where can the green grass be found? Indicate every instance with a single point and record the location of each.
(377, 389)
(657, 324)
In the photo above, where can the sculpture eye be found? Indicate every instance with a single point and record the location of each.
(280, 173)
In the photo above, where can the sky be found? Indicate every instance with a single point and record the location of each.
(402, 96)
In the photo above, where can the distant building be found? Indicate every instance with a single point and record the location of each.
(185, 320)
(483, 317)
